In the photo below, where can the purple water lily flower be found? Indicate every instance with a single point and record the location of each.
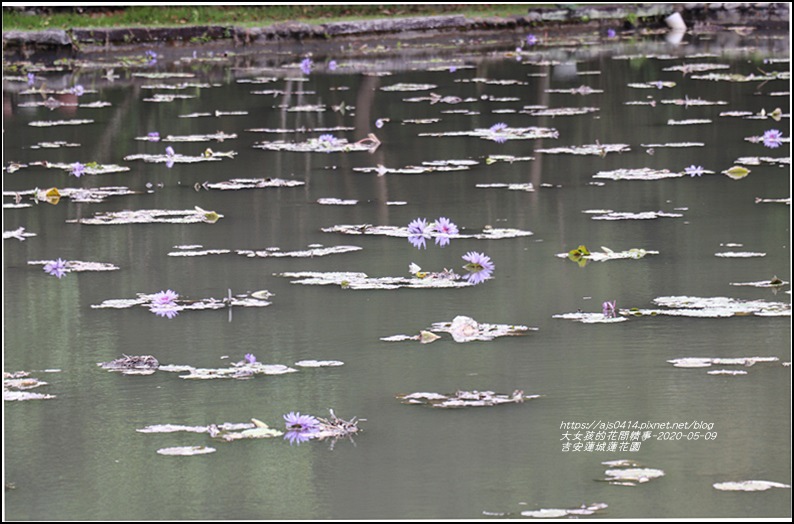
(611, 33)
(31, 79)
(77, 90)
(151, 56)
(444, 228)
(164, 298)
(306, 65)
(479, 267)
(56, 268)
(250, 358)
(418, 233)
(153, 136)
(169, 151)
(532, 39)
(496, 131)
(303, 423)
(609, 309)
(332, 65)
(773, 138)
(694, 170)
(77, 169)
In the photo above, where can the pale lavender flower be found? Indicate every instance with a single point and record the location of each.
(250, 358)
(773, 138)
(168, 310)
(77, 90)
(306, 65)
(169, 151)
(418, 233)
(694, 170)
(611, 33)
(609, 309)
(31, 79)
(151, 56)
(56, 268)
(332, 65)
(479, 267)
(153, 136)
(496, 131)
(444, 229)
(164, 297)
(303, 423)
(328, 140)
(77, 169)
(379, 123)
(532, 39)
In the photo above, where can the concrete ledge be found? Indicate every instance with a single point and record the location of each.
(770, 15)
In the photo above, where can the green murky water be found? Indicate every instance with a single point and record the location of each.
(79, 456)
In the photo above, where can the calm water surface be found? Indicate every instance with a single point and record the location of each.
(79, 456)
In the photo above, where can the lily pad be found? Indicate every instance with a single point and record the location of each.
(774, 283)
(409, 87)
(643, 215)
(749, 485)
(464, 329)
(336, 202)
(220, 136)
(590, 318)
(561, 111)
(236, 184)
(212, 156)
(353, 280)
(16, 386)
(402, 232)
(643, 173)
(502, 134)
(174, 428)
(528, 187)
(557, 513)
(52, 123)
(607, 254)
(307, 253)
(77, 266)
(589, 149)
(91, 168)
(694, 102)
(186, 450)
(316, 145)
(318, 363)
(714, 307)
(18, 233)
(632, 476)
(739, 254)
(736, 172)
(689, 122)
(151, 216)
(704, 362)
(581, 90)
(463, 399)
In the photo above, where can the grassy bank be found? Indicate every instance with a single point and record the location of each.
(163, 16)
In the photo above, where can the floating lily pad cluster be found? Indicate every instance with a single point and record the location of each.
(17, 384)
(463, 329)
(465, 399)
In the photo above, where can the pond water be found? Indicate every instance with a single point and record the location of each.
(78, 456)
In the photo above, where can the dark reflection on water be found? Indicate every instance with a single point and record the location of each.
(79, 456)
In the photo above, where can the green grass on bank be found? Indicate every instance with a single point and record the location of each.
(159, 16)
